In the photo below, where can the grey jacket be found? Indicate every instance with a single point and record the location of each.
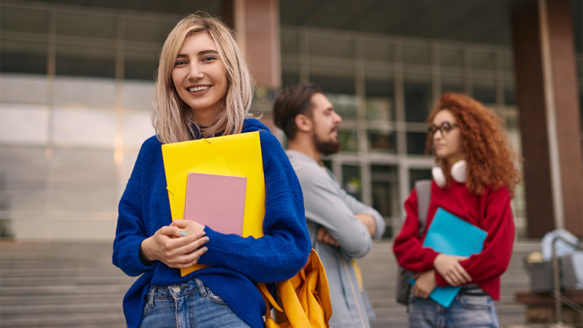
(328, 205)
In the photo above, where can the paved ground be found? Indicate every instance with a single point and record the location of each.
(75, 285)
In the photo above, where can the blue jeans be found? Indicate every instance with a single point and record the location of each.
(472, 307)
(186, 305)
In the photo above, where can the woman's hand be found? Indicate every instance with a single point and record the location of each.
(451, 270)
(324, 236)
(178, 245)
(424, 284)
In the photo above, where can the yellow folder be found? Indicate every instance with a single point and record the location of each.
(234, 155)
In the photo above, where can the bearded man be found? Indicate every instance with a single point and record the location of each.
(341, 227)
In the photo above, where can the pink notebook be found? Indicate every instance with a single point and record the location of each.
(217, 201)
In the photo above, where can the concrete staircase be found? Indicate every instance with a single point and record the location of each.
(60, 285)
(75, 285)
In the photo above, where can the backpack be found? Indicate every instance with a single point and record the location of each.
(305, 298)
(423, 189)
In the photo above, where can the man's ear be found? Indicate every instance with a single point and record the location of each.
(303, 123)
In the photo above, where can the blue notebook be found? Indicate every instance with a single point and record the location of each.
(451, 235)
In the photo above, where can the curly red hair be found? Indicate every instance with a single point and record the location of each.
(490, 159)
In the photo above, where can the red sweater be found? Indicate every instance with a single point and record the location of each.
(490, 211)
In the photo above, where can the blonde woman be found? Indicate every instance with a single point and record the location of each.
(204, 89)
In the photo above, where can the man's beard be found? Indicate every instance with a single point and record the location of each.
(326, 147)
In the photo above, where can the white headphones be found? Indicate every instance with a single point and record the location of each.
(458, 173)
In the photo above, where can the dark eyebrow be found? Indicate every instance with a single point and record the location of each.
(201, 53)
(206, 52)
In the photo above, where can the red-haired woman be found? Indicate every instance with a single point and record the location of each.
(474, 179)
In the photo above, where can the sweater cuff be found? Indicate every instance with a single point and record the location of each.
(439, 280)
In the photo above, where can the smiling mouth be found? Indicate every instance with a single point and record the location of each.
(198, 88)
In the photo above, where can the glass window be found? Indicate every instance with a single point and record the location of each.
(290, 43)
(289, 78)
(416, 54)
(141, 65)
(348, 140)
(24, 89)
(344, 105)
(27, 20)
(290, 69)
(330, 45)
(483, 60)
(379, 99)
(451, 84)
(351, 180)
(334, 83)
(509, 97)
(23, 178)
(377, 50)
(418, 174)
(84, 60)
(137, 127)
(23, 57)
(416, 143)
(138, 95)
(506, 62)
(418, 100)
(74, 91)
(385, 192)
(24, 124)
(72, 188)
(86, 25)
(85, 128)
(451, 58)
(382, 141)
(485, 92)
(146, 29)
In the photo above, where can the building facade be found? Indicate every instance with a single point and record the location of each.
(76, 97)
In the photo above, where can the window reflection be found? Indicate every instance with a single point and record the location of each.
(383, 141)
(416, 143)
(452, 85)
(385, 193)
(348, 140)
(23, 178)
(76, 60)
(485, 92)
(141, 64)
(23, 57)
(344, 105)
(379, 99)
(451, 58)
(417, 100)
(351, 180)
(72, 188)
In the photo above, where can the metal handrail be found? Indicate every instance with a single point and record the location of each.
(557, 281)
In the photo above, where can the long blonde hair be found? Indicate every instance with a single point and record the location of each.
(172, 118)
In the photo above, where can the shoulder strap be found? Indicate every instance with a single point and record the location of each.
(423, 188)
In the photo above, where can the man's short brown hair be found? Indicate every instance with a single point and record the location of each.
(292, 101)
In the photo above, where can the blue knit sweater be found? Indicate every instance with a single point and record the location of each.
(236, 263)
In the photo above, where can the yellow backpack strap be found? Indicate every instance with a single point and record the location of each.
(268, 298)
(357, 273)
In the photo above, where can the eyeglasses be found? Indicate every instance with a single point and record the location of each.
(444, 127)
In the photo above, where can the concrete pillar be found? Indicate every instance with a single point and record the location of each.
(547, 99)
(256, 23)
